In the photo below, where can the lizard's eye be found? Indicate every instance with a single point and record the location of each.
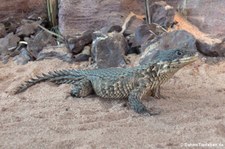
(178, 53)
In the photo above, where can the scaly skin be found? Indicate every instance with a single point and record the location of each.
(131, 83)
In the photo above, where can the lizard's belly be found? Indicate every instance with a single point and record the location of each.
(112, 88)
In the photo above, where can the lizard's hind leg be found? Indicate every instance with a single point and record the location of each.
(81, 88)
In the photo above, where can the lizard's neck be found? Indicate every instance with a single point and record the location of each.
(155, 72)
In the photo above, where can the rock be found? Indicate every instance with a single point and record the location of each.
(207, 45)
(87, 50)
(23, 57)
(41, 40)
(9, 42)
(81, 15)
(108, 49)
(213, 49)
(26, 29)
(134, 22)
(111, 28)
(178, 39)
(143, 34)
(207, 15)
(162, 14)
(84, 55)
(55, 52)
(22, 8)
(7, 46)
(2, 30)
(76, 44)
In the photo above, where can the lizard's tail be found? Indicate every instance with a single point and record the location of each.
(57, 77)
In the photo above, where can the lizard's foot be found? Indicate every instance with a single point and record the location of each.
(74, 93)
(141, 109)
(156, 93)
(150, 112)
(159, 96)
(81, 89)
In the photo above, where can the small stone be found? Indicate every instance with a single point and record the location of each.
(82, 57)
(76, 44)
(9, 41)
(8, 45)
(86, 50)
(23, 57)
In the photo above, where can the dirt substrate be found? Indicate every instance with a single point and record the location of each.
(46, 117)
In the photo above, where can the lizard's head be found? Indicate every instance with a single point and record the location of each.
(174, 59)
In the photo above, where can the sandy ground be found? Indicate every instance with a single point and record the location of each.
(45, 116)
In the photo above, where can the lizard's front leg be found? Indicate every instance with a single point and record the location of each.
(135, 101)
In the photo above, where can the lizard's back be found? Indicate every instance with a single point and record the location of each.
(111, 82)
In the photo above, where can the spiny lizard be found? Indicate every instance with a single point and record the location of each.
(131, 83)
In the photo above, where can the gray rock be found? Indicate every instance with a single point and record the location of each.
(7, 46)
(2, 30)
(81, 15)
(23, 57)
(207, 15)
(178, 39)
(76, 44)
(162, 14)
(26, 29)
(143, 35)
(84, 55)
(108, 49)
(213, 49)
(146, 33)
(40, 40)
(55, 52)
(9, 42)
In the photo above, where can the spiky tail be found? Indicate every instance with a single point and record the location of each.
(57, 77)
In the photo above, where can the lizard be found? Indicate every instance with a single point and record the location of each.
(116, 83)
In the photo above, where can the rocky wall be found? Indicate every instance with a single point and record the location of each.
(80, 15)
(18, 9)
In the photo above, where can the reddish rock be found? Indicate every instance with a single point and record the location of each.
(207, 15)
(21, 8)
(81, 15)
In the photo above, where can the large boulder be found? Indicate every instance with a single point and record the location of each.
(108, 50)
(81, 15)
(179, 39)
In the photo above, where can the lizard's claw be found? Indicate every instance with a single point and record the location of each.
(151, 112)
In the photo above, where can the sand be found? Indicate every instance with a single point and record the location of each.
(45, 116)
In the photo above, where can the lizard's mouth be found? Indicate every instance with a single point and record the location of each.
(189, 59)
(184, 61)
